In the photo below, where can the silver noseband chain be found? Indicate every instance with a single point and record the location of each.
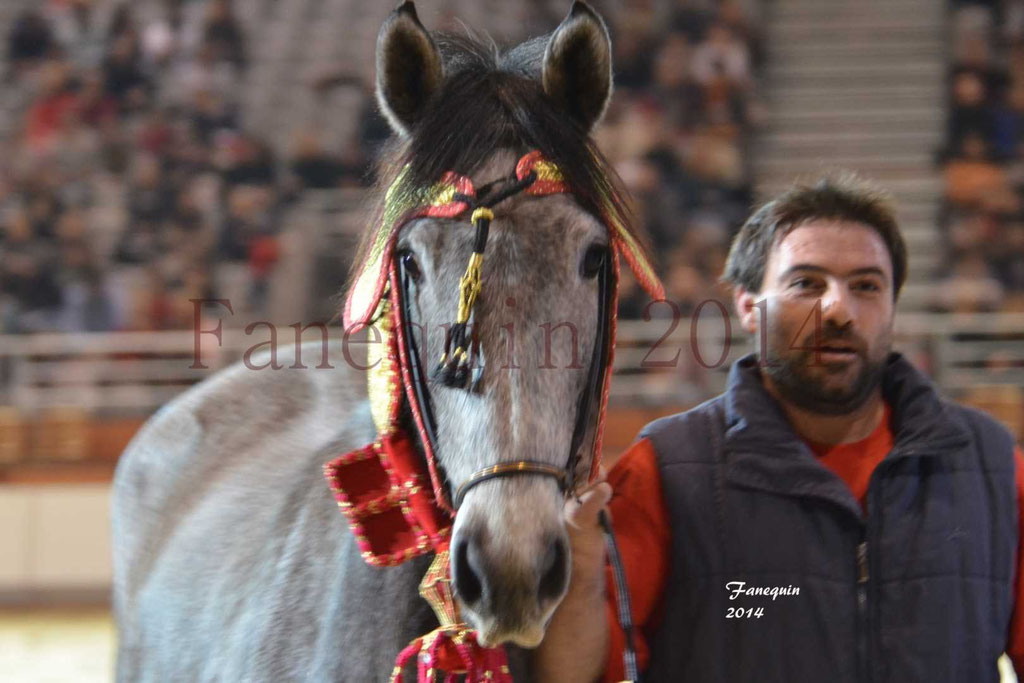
(509, 469)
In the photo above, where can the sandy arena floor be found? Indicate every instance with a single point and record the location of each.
(57, 646)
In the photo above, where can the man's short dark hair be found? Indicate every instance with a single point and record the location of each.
(845, 198)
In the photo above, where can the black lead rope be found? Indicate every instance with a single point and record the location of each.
(622, 601)
(597, 368)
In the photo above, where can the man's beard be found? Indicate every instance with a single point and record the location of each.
(793, 379)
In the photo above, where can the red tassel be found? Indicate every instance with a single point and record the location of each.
(410, 651)
(453, 652)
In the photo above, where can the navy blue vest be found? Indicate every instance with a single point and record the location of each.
(778, 576)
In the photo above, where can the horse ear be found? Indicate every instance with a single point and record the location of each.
(409, 69)
(578, 65)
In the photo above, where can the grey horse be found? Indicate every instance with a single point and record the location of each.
(231, 560)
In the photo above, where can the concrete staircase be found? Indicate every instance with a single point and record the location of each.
(860, 86)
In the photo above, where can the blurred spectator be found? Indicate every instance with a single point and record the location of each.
(55, 99)
(1008, 259)
(210, 114)
(28, 275)
(316, 168)
(249, 161)
(123, 75)
(248, 240)
(148, 206)
(721, 55)
(147, 194)
(187, 216)
(152, 306)
(29, 41)
(156, 136)
(95, 107)
(632, 58)
(674, 86)
(224, 34)
(731, 13)
(973, 55)
(241, 225)
(203, 74)
(971, 286)
(971, 112)
(970, 174)
(80, 28)
(122, 25)
(161, 37)
(89, 303)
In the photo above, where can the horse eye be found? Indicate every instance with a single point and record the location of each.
(409, 263)
(593, 260)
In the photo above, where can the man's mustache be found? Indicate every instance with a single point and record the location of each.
(835, 336)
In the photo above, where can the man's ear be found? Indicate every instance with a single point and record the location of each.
(577, 72)
(409, 69)
(747, 310)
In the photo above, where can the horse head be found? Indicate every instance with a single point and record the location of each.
(542, 314)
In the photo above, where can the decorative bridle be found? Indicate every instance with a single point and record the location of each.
(398, 502)
(461, 367)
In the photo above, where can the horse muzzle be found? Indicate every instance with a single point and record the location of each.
(508, 585)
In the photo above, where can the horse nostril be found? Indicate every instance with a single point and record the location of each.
(554, 572)
(464, 577)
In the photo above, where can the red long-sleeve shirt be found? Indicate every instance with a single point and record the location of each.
(642, 531)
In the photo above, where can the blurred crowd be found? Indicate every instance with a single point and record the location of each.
(130, 185)
(678, 133)
(983, 160)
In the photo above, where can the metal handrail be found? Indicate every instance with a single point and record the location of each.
(138, 371)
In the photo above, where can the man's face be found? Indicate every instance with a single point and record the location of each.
(828, 292)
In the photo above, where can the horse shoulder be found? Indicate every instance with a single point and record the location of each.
(236, 420)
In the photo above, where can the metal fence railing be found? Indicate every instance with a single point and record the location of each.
(656, 361)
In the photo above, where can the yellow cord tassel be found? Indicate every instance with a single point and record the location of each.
(481, 212)
(469, 288)
(453, 368)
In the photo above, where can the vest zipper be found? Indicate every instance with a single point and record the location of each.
(862, 610)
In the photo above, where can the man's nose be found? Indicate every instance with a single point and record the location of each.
(835, 305)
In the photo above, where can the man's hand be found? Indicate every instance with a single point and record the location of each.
(575, 646)
(586, 538)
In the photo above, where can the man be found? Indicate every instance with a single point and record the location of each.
(829, 517)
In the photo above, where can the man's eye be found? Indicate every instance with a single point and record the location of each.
(803, 283)
(867, 287)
